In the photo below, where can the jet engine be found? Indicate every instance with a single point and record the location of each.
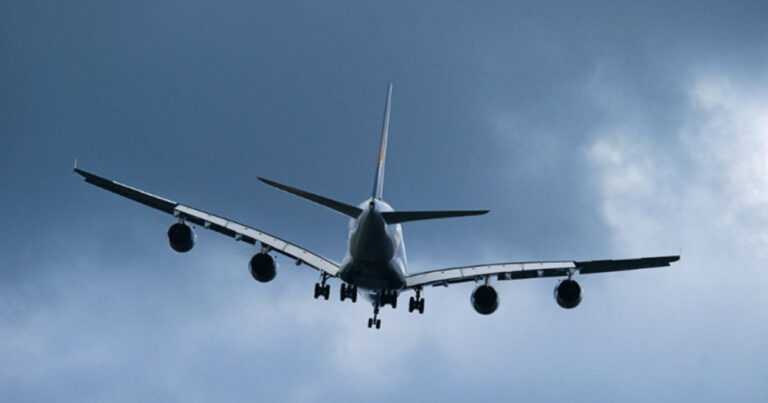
(568, 294)
(263, 267)
(181, 237)
(485, 300)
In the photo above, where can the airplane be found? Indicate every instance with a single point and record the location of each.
(375, 264)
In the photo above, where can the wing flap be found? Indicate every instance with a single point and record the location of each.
(475, 273)
(251, 235)
(526, 270)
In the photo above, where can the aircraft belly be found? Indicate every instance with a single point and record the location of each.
(373, 276)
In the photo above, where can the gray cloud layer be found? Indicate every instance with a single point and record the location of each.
(590, 130)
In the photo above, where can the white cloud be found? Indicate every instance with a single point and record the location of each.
(715, 181)
(702, 187)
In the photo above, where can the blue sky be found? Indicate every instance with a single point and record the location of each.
(591, 130)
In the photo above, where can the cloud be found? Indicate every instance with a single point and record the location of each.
(715, 180)
(707, 194)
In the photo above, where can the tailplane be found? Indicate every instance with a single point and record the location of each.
(395, 217)
(342, 208)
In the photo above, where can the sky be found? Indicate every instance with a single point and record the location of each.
(591, 130)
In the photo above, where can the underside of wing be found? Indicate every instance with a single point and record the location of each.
(524, 270)
(232, 229)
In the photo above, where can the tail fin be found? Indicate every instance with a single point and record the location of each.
(378, 185)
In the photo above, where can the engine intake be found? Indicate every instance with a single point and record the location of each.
(263, 267)
(485, 300)
(181, 237)
(568, 294)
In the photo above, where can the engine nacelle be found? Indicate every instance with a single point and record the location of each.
(263, 267)
(485, 300)
(568, 294)
(181, 237)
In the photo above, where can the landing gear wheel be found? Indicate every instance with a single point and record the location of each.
(354, 294)
(343, 291)
(394, 301)
(416, 303)
(375, 321)
(321, 288)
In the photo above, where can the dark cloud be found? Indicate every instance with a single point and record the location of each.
(590, 130)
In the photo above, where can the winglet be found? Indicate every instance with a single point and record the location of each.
(74, 169)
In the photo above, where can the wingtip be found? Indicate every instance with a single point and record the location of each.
(74, 168)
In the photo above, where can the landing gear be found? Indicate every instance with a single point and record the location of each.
(387, 297)
(348, 291)
(416, 304)
(375, 321)
(323, 289)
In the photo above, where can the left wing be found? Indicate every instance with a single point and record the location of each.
(523, 270)
(221, 225)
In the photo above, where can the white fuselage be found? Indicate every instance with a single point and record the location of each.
(375, 260)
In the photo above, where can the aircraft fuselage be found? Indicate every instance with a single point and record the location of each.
(375, 260)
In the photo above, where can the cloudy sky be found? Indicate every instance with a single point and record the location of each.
(590, 130)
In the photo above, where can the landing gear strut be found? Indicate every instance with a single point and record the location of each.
(322, 289)
(416, 304)
(348, 291)
(374, 321)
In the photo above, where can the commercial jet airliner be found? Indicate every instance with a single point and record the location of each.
(374, 265)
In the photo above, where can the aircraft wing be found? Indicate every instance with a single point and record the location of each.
(232, 229)
(523, 270)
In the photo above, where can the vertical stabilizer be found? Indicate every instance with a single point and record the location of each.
(378, 184)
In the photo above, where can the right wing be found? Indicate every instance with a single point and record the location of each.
(237, 231)
(523, 270)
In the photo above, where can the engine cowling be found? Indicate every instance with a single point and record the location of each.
(485, 300)
(181, 237)
(263, 267)
(568, 294)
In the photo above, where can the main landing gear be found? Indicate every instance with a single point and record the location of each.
(348, 291)
(387, 297)
(323, 289)
(375, 321)
(416, 304)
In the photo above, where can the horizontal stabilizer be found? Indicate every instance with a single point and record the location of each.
(342, 208)
(394, 217)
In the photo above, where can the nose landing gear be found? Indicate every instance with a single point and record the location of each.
(375, 321)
